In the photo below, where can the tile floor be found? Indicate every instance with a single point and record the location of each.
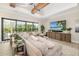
(5, 49)
(68, 49)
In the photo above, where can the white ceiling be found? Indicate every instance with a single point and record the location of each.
(47, 11)
(56, 8)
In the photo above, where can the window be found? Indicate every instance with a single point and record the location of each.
(10, 26)
(35, 27)
(21, 26)
(29, 26)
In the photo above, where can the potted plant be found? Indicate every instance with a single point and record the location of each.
(42, 28)
(68, 30)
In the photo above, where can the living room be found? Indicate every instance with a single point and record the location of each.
(17, 18)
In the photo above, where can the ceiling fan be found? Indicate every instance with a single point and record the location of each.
(37, 7)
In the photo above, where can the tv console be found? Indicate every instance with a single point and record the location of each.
(59, 36)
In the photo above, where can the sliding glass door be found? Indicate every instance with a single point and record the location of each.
(36, 27)
(21, 26)
(29, 26)
(8, 28)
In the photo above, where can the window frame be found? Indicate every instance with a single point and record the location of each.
(16, 20)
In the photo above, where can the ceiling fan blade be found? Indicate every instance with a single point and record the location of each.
(38, 7)
(12, 5)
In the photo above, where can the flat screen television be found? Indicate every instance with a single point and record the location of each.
(58, 25)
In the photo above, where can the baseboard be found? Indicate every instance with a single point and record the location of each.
(75, 41)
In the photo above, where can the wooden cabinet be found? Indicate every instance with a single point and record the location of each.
(68, 37)
(60, 36)
(48, 34)
(63, 38)
(53, 35)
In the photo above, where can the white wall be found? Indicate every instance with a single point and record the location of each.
(71, 16)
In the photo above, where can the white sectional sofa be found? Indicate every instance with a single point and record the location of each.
(40, 46)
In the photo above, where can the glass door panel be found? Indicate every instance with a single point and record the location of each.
(21, 26)
(8, 28)
(29, 26)
(35, 26)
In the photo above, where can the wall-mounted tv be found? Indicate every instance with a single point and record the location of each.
(58, 25)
